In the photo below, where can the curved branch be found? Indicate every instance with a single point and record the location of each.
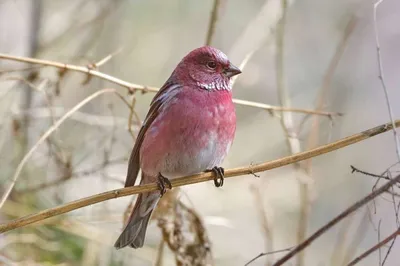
(89, 70)
(23, 221)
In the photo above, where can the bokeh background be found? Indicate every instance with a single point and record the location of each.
(288, 65)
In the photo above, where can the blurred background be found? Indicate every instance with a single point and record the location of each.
(310, 54)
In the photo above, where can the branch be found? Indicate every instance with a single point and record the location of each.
(44, 137)
(382, 78)
(287, 124)
(213, 22)
(202, 177)
(338, 218)
(374, 248)
(135, 87)
(266, 254)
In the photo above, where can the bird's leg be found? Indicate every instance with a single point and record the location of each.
(163, 183)
(219, 175)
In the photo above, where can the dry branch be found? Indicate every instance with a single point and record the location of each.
(266, 254)
(44, 137)
(23, 221)
(213, 22)
(374, 248)
(135, 87)
(382, 78)
(337, 219)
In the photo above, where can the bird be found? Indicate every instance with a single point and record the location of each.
(188, 129)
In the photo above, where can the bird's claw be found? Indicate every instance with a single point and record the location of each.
(219, 175)
(163, 184)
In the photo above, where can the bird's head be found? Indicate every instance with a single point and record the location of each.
(207, 68)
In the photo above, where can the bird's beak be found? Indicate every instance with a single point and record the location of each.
(232, 70)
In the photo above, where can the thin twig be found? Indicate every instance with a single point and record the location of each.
(106, 59)
(44, 137)
(339, 246)
(313, 137)
(268, 237)
(287, 123)
(193, 179)
(82, 117)
(74, 175)
(133, 87)
(334, 62)
(337, 219)
(387, 98)
(382, 78)
(357, 238)
(393, 193)
(379, 240)
(266, 254)
(389, 249)
(213, 22)
(356, 170)
(160, 253)
(374, 248)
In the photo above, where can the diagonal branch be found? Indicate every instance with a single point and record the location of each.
(337, 219)
(374, 248)
(202, 177)
(132, 87)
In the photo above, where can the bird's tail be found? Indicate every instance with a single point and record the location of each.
(135, 230)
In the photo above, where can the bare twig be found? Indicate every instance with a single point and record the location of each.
(340, 247)
(389, 249)
(106, 59)
(266, 254)
(82, 117)
(44, 137)
(392, 193)
(313, 137)
(27, 96)
(160, 253)
(213, 21)
(356, 170)
(64, 178)
(287, 123)
(337, 219)
(356, 239)
(134, 87)
(379, 240)
(202, 177)
(374, 248)
(387, 98)
(268, 237)
(382, 78)
(132, 113)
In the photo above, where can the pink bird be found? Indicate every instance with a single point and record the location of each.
(189, 129)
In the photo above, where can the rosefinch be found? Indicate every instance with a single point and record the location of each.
(189, 129)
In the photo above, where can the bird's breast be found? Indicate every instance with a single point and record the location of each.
(191, 134)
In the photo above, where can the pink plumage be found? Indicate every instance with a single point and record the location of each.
(189, 129)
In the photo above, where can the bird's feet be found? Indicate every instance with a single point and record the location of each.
(163, 184)
(219, 175)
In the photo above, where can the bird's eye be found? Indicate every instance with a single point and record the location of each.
(211, 65)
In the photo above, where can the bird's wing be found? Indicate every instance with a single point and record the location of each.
(167, 92)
